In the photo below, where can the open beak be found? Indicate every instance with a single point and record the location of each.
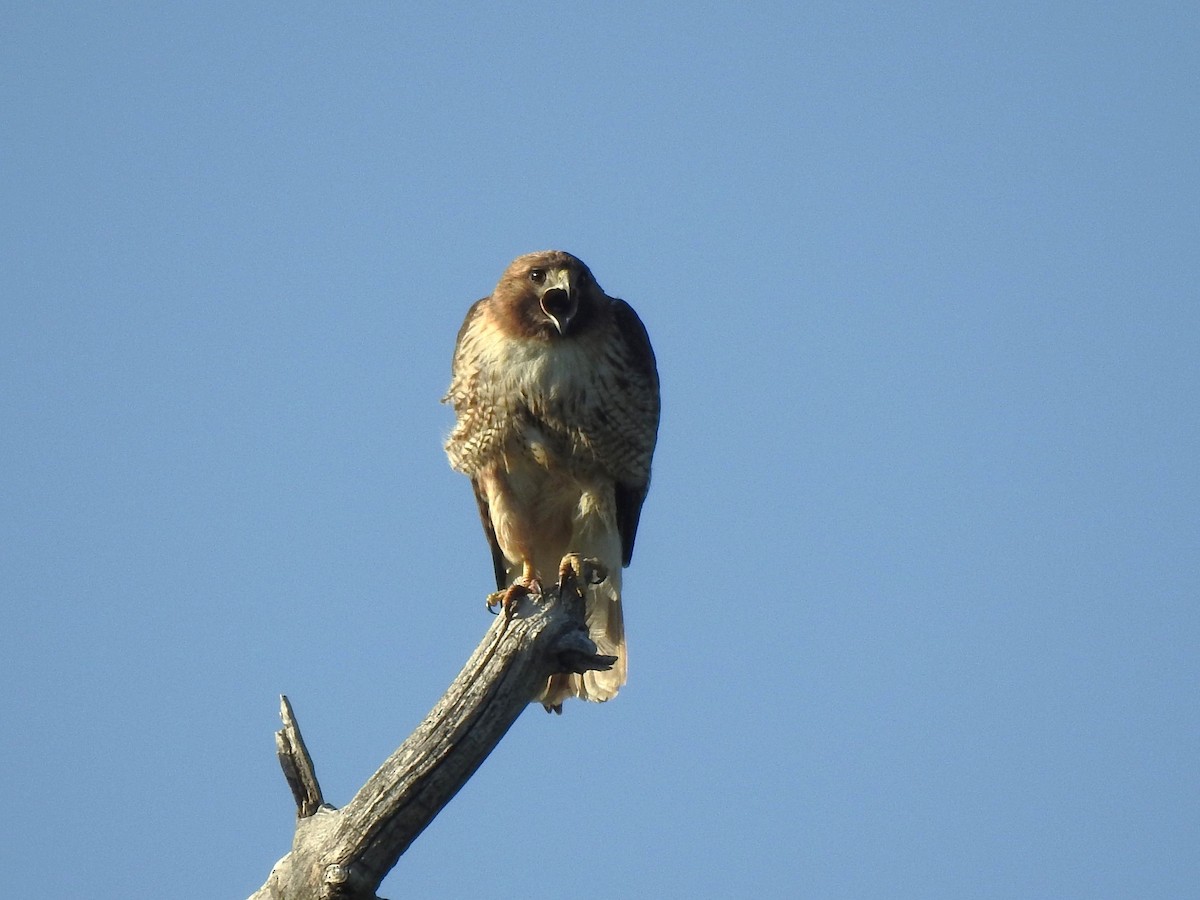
(559, 301)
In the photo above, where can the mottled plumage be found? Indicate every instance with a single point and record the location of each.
(556, 393)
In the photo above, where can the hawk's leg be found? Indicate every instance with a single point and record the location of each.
(522, 587)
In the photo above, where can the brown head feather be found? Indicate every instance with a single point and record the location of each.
(516, 301)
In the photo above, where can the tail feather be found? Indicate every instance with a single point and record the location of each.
(595, 534)
(606, 628)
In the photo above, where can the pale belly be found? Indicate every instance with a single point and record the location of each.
(542, 511)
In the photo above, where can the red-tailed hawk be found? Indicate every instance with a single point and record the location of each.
(556, 392)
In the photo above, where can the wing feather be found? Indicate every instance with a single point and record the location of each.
(631, 496)
(499, 563)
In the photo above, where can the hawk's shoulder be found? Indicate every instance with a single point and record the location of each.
(637, 340)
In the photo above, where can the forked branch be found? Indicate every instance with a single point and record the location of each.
(346, 852)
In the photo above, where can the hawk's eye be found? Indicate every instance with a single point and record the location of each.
(537, 276)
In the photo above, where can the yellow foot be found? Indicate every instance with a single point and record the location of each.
(579, 569)
(508, 598)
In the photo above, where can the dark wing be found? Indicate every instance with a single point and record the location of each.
(629, 511)
(644, 379)
(499, 563)
(468, 321)
(461, 369)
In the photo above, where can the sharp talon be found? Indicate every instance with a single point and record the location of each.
(508, 599)
(587, 571)
(571, 566)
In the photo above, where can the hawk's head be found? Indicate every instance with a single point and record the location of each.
(549, 294)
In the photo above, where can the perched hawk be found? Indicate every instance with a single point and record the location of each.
(556, 393)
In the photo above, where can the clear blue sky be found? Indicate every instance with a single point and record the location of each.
(914, 606)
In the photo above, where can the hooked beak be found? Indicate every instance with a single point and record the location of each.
(559, 300)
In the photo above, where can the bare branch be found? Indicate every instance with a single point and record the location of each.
(297, 765)
(346, 853)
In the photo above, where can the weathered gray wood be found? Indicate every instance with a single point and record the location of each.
(347, 852)
(297, 765)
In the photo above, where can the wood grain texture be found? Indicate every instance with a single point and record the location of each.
(347, 852)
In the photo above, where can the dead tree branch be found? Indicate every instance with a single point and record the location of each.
(345, 853)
